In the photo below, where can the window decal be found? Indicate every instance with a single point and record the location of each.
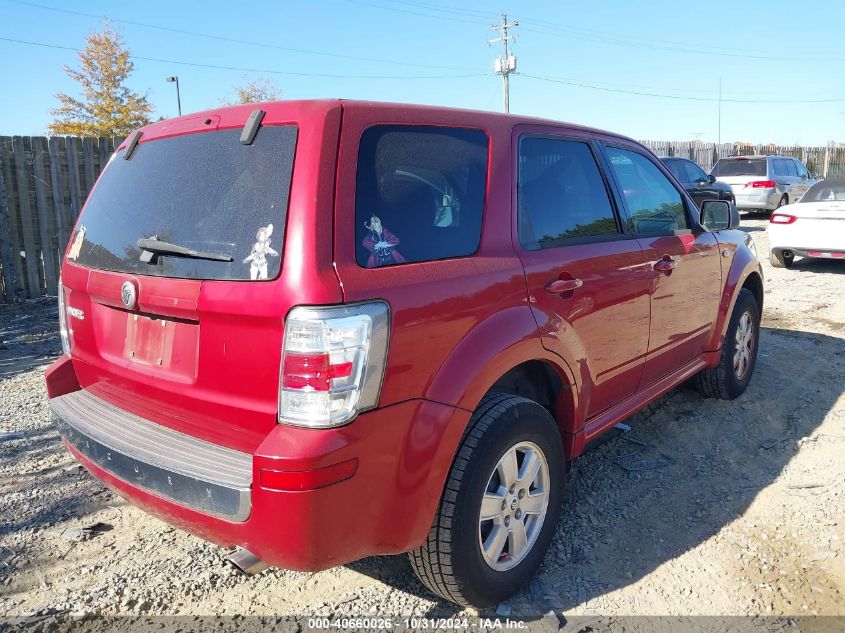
(257, 259)
(381, 243)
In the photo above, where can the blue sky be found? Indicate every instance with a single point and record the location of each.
(591, 57)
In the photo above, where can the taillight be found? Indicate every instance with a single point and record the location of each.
(761, 184)
(64, 331)
(332, 363)
(782, 218)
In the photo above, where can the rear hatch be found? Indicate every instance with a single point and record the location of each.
(739, 171)
(177, 278)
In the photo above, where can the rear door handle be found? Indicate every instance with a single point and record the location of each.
(666, 264)
(559, 286)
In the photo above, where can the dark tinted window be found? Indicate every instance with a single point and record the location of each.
(830, 190)
(678, 169)
(419, 194)
(694, 172)
(653, 202)
(790, 167)
(779, 165)
(203, 191)
(740, 167)
(561, 194)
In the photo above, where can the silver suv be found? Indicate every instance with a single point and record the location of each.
(764, 183)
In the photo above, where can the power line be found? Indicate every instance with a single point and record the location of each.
(579, 84)
(250, 70)
(232, 40)
(553, 29)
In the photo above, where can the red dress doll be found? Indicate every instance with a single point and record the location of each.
(382, 245)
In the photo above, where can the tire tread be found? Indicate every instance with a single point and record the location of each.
(431, 562)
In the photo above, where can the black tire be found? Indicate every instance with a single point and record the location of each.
(450, 563)
(779, 259)
(784, 200)
(722, 381)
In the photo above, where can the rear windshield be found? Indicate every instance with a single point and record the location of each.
(740, 167)
(826, 191)
(205, 192)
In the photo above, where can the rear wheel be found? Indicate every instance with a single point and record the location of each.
(780, 258)
(784, 200)
(729, 379)
(500, 505)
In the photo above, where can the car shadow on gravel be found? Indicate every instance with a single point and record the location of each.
(822, 266)
(688, 467)
(29, 336)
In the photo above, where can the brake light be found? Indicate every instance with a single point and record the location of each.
(65, 333)
(761, 184)
(332, 363)
(782, 218)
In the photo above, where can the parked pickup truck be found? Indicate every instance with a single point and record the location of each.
(324, 330)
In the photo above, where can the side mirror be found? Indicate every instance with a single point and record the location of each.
(711, 178)
(719, 215)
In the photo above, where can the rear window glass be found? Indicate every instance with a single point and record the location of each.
(826, 191)
(205, 192)
(740, 167)
(419, 194)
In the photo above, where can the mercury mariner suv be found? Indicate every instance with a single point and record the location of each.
(322, 330)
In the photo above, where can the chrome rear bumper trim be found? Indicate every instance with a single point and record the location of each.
(194, 473)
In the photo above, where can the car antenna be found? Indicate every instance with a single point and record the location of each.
(251, 127)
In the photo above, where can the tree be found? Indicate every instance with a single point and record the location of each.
(107, 107)
(256, 90)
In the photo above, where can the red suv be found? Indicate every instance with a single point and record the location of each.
(325, 330)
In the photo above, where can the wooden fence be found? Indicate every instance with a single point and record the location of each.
(824, 162)
(44, 183)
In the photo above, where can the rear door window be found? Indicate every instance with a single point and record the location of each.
(654, 204)
(205, 192)
(419, 194)
(740, 167)
(562, 196)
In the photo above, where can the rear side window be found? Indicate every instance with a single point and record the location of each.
(419, 194)
(653, 202)
(780, 168)
(740, 167)
(561, 194)
(678, 169)
(205, 192)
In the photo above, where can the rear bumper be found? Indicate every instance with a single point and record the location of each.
(760, 199)
(403, 454)
(188, 471)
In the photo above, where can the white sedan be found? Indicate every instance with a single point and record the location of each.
(814, 227)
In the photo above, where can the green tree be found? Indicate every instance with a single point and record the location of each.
(255, 91)
(107, 107)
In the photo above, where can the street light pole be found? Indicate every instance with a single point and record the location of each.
(175, 80)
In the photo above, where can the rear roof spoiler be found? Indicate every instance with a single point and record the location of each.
(251, 127)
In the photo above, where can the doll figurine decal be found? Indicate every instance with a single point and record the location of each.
(381, 243)
(257, 259)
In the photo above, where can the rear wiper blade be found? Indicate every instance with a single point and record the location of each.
(153, 247)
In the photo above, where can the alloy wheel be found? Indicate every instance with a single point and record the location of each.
(744, 350)
(514, 506)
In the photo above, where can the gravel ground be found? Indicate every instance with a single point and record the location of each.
(703, 508)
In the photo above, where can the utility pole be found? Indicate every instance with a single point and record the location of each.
(719, 124)
(506, 64)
